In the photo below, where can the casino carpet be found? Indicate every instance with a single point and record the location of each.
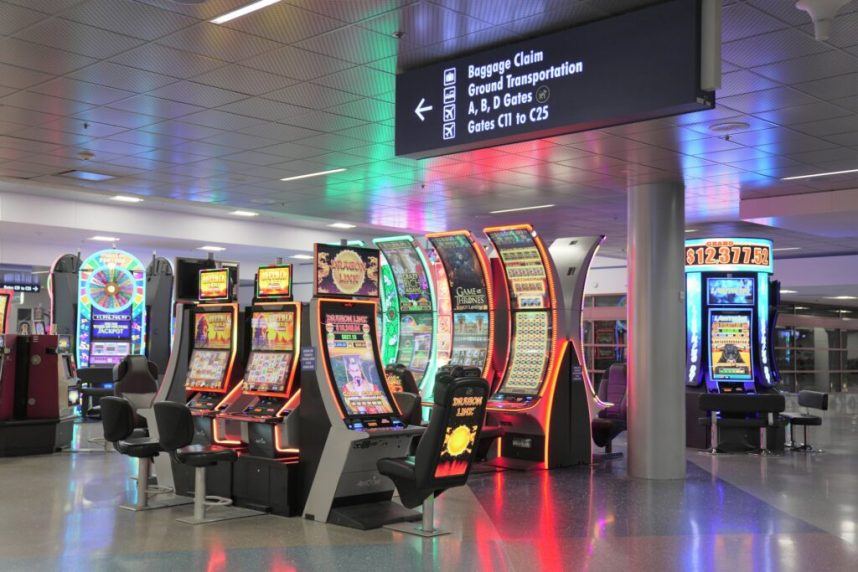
(732, 513)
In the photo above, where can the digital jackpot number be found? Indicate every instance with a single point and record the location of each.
(716, 255)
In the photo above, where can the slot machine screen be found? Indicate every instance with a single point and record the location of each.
(468, 291)
(215, 284)
(412, 283)
(525, 272)
(207, 369)
(274, 281)
(267, 371)
(213, 330)
(273, 331)
(470, 339)
(730, 345)
(349, 331)
(529, 353)
(730, 291)
(64, 344)
(415, 343)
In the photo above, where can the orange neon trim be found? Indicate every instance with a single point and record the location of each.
(296, 344)
(223, 440)
(483, 260)
(291, 403)
(549, 406)
(232, 351)
(6, 301)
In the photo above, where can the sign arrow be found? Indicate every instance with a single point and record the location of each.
(421, 108)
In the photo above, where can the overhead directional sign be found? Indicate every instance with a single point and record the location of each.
(638, 66)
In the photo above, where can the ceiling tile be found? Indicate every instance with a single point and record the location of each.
(218, 42)
(245, 80)
(46, 103)
(81, 91)
(40, 58)
(295, 63)
(127, 17)
(122, 77)
(168, 61)
(78, 38)
(283, 23)
(771, 47)
(13, 18)
(154, 106)
(353, 44)
(809, 68)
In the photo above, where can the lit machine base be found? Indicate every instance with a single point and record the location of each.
(372, 515)
(35, 436)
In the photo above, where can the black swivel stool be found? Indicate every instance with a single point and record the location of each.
(445, 453)
(611, 421)
(809, 400)
(176, 433)
(745, 411)
(117, 420)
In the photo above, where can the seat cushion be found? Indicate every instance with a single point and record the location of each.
(397, 468)
(741, 422)
(140, 448)
(604, 430)
(205, 455)
(802, 419)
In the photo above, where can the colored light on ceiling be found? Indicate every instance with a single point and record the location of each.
(308, 175)
(243, 11)
(86, 175)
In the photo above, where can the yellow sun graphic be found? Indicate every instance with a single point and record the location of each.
(459, 440)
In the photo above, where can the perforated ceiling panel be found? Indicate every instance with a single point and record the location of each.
(177, 107)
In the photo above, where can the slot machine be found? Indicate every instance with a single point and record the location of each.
(544, 401)
(409, 298)
(349, 419)
(213, 348)
(731, 310)
(262, 403)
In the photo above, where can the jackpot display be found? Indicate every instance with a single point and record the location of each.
(346, 271)
(111, 308)
(214, 284)
(274, 282)
(349, 332)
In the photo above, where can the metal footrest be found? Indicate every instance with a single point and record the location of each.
(220, 512)
(161, 502)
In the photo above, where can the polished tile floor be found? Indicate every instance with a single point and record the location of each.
(791, 512)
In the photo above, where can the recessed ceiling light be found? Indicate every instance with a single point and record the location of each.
(212, 248)
(845, 311)
(690, 230)
(302, 256)
(786, 248)
(842, 297)
(728, 126)
(533, 208)
(826, 174)
(243, 11)
(85, 175)
(308, 175)
(126, 199)
(342, 225)
(802, 308)
(244, 213)
(100, 238)
(788, 292)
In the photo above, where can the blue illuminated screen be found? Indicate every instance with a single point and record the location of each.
(730, 291)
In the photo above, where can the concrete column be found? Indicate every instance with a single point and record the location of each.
(656, 345)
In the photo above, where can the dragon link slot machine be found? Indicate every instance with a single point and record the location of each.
(214, 344)
(544, 401)
(349, 419)
(731, 309)
(257, 411)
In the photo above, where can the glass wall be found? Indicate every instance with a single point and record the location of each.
(816, 345)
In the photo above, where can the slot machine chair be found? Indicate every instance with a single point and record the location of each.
(135, 378)
(415, 477)
(117, 420)
(744, 412)
(809, 400)
(407, 395)
(176, 434)
(611, 421)
(489, 434)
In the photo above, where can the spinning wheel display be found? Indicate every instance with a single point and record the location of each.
(111, 289)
